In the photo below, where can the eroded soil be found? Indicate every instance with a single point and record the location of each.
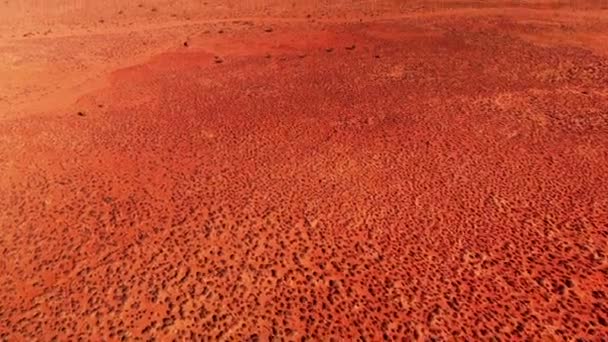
(304, 172)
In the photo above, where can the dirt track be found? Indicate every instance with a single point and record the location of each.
(378, 171)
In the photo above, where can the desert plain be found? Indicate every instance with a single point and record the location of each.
(303, 170)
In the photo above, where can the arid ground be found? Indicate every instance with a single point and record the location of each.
(307, 170)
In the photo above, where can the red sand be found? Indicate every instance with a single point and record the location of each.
(377, 171)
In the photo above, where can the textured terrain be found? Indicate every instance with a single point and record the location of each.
(277, 171)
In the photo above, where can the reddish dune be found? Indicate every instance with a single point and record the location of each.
(328, 171)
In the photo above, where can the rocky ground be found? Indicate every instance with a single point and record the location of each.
(334, 170)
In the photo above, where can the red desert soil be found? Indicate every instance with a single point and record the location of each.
(334, 170)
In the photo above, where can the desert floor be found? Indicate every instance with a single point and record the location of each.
(319, 170)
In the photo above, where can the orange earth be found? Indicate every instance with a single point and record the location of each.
(306, 170)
